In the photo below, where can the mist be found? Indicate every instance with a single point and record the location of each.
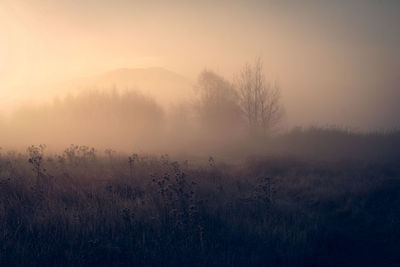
(199, 133)
(207, 120)
(336, 62)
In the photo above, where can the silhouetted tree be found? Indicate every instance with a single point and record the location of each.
(218, 102)
(259, 100)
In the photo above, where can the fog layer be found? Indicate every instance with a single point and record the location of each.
(337, 61)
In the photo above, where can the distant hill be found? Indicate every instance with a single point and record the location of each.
(165, 86)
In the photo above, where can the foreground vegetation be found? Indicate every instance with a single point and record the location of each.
(83, 208)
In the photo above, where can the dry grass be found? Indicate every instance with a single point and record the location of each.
(81, 208)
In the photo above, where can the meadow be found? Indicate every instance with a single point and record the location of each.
(199, 133)
(83, 207)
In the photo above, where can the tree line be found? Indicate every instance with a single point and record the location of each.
(223, 113)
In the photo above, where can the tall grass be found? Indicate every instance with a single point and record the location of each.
(86, 208)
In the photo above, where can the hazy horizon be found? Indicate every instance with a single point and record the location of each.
(336, 62)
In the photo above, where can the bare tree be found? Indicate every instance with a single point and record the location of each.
(259, 99)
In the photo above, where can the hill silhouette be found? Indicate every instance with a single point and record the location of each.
(165, 86)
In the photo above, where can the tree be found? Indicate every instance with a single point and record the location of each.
(259, 100)
(218, 102)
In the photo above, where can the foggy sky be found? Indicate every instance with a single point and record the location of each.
(337, 62)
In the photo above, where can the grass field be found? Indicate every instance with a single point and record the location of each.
(86, 208)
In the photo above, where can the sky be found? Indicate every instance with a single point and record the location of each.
(337, 62)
